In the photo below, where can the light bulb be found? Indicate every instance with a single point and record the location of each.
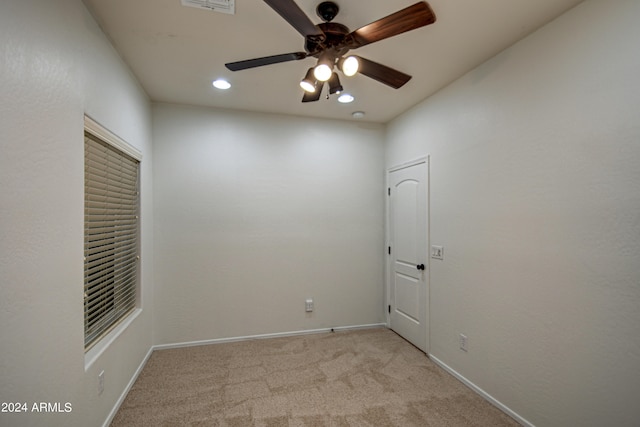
(308, 87)
(350, 66)
(322, 72)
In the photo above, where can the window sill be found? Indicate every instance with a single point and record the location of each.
(96, 351)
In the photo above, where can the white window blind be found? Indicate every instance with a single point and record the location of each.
(111, 235)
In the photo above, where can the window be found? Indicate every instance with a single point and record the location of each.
(111, 234)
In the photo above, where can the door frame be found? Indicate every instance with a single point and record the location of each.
(388, 267)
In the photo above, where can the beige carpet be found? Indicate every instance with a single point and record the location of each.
(358, 378)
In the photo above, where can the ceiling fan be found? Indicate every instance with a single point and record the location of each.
(329, 42)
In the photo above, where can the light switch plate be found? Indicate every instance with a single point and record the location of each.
(100, 382)
(464, 342)
(437, 252)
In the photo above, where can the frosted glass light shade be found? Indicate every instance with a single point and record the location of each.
(308, 87)
(322, 72)
(350, 66)
(308, 83)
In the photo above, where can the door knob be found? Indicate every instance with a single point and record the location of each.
(420, 267)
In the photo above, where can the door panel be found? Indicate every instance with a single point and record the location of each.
(407, 294)
(405, 221)
(407, 290)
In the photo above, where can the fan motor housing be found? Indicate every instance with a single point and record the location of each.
(335, 38)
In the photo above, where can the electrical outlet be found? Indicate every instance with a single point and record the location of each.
(437, 252)
(308, 305)
(100, 383)
(464, 341)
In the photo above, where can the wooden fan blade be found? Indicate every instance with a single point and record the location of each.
(313, 96)
(266, 60)
(410, 18)
(292, 13)
(386, 75)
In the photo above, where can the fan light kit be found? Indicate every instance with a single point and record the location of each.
(330, 42)
(334, 84)
(308, 83)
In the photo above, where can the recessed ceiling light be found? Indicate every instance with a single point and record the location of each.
(345, 98)
(357, 114)
(221, 84)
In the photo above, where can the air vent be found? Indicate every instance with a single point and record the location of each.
(223, 6)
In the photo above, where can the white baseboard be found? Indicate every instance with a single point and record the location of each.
(124, 393)
(266, 336)
(481, 392)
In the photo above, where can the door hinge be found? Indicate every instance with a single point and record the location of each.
(389, 308)
(389, 250)
(389, 191)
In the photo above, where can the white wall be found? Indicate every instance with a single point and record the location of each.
(535, 196)
(255, 213)
(55, 66)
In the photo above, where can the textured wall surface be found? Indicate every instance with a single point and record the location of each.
(55, 66)
(255, 213)
(535, 196)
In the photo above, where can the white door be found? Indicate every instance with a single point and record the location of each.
(408, 237)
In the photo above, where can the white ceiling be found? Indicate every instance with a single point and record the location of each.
(177, 51)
